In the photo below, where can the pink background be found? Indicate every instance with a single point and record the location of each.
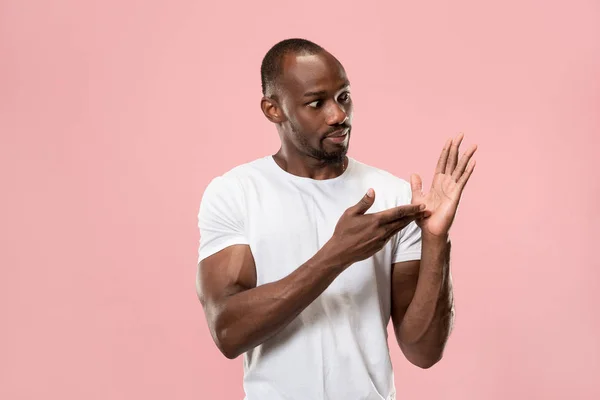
(115, 115)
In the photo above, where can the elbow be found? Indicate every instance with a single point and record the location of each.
(423, 358)
(426, 363)
(226, 343)
(223, 334)
(230, 354)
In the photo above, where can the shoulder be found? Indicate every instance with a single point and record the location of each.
(385, 181)
(224, 197)
(231, 181)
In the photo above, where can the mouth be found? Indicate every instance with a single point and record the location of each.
(338, 136)
(339, 133)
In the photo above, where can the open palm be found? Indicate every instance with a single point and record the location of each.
(449, 181)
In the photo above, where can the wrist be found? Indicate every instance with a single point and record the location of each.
(436, 252)
(329, 257)
(435, 240)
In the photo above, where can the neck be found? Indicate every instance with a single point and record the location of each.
(309, 167)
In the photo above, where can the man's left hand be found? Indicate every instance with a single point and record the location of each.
(451, 176)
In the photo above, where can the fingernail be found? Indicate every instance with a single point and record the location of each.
(422, 207)
(370, 193)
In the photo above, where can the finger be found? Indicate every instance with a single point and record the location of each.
(416, 186)
(464, 161)
(402, 223)
(441, 165)
(365, 203)
(453, 156)
(465, 177)
(424, 214)
(396, 213)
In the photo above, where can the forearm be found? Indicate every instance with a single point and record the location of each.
(246, 319)
(426, 326)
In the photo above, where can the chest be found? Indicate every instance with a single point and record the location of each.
(291, 222)
(288, 226)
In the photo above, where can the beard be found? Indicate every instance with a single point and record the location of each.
(327, 157)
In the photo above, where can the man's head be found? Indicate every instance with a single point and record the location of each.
(307, 94)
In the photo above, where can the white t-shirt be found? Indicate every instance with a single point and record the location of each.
(337, 347)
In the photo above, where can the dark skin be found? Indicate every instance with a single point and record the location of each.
(312, 109)
(311, 101)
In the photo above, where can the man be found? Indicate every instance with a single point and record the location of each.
(305, 255)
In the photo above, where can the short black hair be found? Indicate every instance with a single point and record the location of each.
(271, 66)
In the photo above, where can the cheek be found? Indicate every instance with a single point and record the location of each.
(309, 123)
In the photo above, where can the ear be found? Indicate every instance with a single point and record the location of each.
(272, 110)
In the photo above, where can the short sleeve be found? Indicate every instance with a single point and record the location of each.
(408, 241)
(221, 217)
(408, 244)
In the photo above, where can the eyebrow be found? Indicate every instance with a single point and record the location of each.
(323, 92)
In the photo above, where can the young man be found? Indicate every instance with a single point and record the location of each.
(305, 255)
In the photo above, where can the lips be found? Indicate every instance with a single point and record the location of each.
(338, 133)
(338, 137)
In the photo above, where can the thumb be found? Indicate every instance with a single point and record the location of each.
(365, 203)
(416, 186)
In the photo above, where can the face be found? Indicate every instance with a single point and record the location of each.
(313, 96)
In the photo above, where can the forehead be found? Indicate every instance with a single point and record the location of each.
(311, 72)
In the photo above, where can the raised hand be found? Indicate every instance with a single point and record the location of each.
(451, 176)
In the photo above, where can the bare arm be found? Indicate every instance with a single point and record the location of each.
(423, 304)
(241, 315)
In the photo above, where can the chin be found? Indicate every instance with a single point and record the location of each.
(330, 154)
(335, 157)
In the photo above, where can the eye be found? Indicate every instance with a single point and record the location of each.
(344, 97)
(315, 104)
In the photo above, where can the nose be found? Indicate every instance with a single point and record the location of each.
(336, 115)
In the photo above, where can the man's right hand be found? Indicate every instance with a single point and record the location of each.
(242, 315)
(358, 236)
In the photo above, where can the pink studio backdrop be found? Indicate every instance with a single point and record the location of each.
(115, 115)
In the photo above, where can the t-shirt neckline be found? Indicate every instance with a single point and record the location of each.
(288, 175)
